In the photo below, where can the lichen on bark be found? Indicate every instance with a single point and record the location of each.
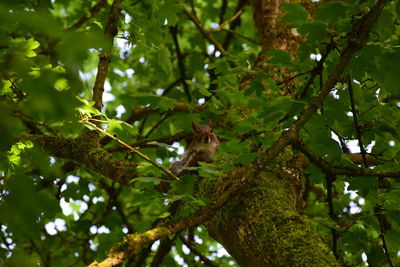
(262, 225)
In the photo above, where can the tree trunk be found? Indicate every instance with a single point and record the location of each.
(263, 225)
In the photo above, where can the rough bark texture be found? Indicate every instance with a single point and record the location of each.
(262, 226)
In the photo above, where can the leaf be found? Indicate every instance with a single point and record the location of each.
(234, 146)
(204, 91)
(89, 125)
(295, 13)
(363, 185)
(164, 61)
(153, 180)
(113, 126)
(164, 215)
(330, 12)
(278, 57)
(185, 186)
(316, 31)
(245, 158)
(166, 104)
(315, 175)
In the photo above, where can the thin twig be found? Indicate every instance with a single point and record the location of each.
(365, 164)
(227, 22)
(330, 178)
(382, 234)
(147, 142)
(195, 251)
(228, 37)
(327, 167)
(317, 70)
(206, 34)
(166, 116)
(222, 11)
(355, 120)
(134, 150)
(174, 32)
(89, 14)
(242, 36)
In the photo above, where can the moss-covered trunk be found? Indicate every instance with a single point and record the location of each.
(262, 226)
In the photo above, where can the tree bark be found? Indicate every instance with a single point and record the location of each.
(263, 225)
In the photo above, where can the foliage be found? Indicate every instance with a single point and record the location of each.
(163, 74)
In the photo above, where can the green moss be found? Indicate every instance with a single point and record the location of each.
(261, 226)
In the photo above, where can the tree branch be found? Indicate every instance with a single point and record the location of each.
(317, 70)
(242, 36)
(89, 14)
(357, 38)
(132, 242)
(174, 32)
(140, 113)
(147, 142)
(230, 32)
(355, 120)
(227, 22)
(330, 178)
(163, 249)
(206, 34)
(328, 168)
(88, 154)
(135, 150)
(110, 32)
(194, 250)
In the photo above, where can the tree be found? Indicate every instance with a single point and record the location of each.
(97, 96)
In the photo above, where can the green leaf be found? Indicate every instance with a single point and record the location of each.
(164, 215)
(315, 175)
(316, 31)
(295, 12)
(278, 57)
(113, 126)
(164, 59)
(153, 180)
(363, 185)
(330, 12)
(245, 158)
(166, 104)
(204, 91)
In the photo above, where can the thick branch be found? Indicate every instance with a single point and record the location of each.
(194, 250)
(132, 242)
(87, 154)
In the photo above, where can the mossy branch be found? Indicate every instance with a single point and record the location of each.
(135, 150)
(86, 153)
(134, 241)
